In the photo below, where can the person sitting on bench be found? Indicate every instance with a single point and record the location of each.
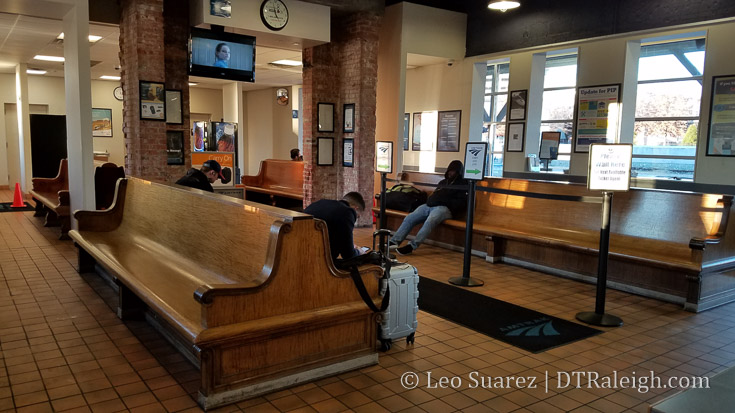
(446, 202)
(204, 177)
(340, 217)
(296, 155)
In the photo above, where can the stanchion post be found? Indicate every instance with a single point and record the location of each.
(382, 221)
(599, 317)
(465, 279)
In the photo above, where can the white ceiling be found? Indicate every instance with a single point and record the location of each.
(22, 37)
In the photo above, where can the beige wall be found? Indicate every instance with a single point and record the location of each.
(269, 129)
(601, 61)
(206, 101)
(49, 91)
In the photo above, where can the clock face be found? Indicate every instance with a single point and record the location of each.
(274, 14)
(118, 93)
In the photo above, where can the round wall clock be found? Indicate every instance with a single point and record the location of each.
(118, 93)
(274, 14)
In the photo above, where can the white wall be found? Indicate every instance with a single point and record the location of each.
(269, 127)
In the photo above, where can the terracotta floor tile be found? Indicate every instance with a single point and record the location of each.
(69, 403)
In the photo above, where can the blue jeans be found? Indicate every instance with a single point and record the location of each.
(431, 217)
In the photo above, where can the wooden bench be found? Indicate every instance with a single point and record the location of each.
(673, 246)
(52, 199)
(278, 183)
(247, 292)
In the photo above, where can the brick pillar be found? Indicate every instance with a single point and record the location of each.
(343, 71)
(152, 48)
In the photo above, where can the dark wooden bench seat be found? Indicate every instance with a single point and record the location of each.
(52, 199)
(278, 183)
(247, 292)
(669, 245)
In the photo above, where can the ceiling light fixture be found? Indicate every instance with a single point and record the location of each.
(35, 72)
(287, 62)
(106, 77)
(49, 58)
(92, 38)
(503, 5)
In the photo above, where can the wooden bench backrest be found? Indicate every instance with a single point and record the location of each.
(282, 174)
(662, 215)
(205, 229)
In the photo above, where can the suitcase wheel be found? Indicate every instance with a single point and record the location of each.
(410, 338)
(385, 344)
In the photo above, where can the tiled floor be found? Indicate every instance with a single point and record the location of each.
(63, 348)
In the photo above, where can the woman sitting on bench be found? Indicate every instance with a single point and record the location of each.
(446, 202)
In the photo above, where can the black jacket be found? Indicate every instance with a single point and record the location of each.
(196, 179)
(340, 219)
(454, 199)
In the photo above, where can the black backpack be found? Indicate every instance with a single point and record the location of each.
(404, 197)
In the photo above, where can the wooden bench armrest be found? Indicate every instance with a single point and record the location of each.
(64, 197)
(108, 219)
(251, 180)
(699, 243)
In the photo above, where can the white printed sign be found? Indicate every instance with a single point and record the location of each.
(474, 160)
(609, 167)
(384, 156)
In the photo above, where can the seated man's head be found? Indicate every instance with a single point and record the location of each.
(212, 170)
(295, 154)
(355, 200)
(454, 170)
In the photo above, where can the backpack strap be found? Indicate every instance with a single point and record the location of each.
(357, 279)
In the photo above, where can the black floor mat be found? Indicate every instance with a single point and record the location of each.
(5, 207)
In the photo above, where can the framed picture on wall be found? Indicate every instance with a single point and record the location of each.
(173, 107)
(102, 122)
(324, 151)
(152, 101)
(175, 147)
(721, 130)
(515, 137)
(518, 100)
(348, 152)
(416, 141)
(349, 121)
(325, 114)
(447, 137)
(406, 129)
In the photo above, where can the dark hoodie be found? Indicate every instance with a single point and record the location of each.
(445, 195)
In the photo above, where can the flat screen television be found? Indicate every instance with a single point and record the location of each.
(222, 55)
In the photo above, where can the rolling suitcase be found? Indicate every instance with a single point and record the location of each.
(401, 281)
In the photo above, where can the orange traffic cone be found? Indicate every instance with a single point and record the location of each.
(18, 198)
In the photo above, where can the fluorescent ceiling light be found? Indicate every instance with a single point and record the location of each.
(503, 5)
(287, 62)
(193, 84)
(92, 38)
(110, 77)
(49, 58)
(35, 72)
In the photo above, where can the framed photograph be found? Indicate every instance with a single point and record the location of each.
(325, 113)
(515, 137)
(173, 107)
(324, 151)
(595, 121)
(175, 147)
(447, 138)
(348, 152)
(349, 111)
(416, 141)
(721, 130)
(406, 129)
(152, 101)
(518, 104)
(102, 122)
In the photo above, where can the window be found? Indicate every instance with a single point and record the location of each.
(667, 109)
(493, 131)
(557, 108)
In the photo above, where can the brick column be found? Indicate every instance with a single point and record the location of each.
(343, 71)
(152, 48)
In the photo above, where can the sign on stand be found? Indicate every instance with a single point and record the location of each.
(384, 157)
(474, 160)
(609, 167)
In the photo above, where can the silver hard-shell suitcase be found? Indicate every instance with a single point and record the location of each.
(399, 319)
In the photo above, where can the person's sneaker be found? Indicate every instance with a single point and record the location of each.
(393, 244)
(405, 250)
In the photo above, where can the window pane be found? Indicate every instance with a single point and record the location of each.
(561, 71)
(668, 99)
(503, 77)
(665, 133)
(558, 104)
(488, 108)
(498, 137)
(489, 79)
(500, 108)
(565, 141)
(678, 169)
(661, 67)
(497, 164)
(697, 59)
(671, 60)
